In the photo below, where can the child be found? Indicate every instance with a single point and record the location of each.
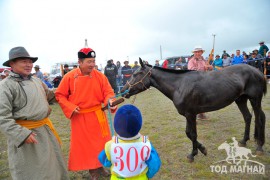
(129, 154)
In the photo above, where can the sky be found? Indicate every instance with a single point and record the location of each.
(55, 30)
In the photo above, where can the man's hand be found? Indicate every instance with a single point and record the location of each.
(76, 111)
(31, 139)
(114, 107)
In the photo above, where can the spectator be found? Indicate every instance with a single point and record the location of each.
(255, 63)
(39, 74)
(5, 74)
(232, 56)
(66, 69)
(165, 64)
(226, 60)
(75, 66)
(267, 64)
(225, 53)
(119, 74)
(46, 81)
(245, 60)
(135, 67)
(96, 67)
(56, 81)
(157, 63)
(218, 63)
(110, 71)
(126, 71)
(127, 125)
(81, 94)
(263, 49)
(198, 63)
(258, 56)
(238, 58)
(210, 59)
(178, 64)
(34, 150)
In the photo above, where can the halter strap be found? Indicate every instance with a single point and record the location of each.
(141, 81)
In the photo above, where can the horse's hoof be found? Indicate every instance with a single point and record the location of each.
(259, 153)
(190, 158)
(203, 150)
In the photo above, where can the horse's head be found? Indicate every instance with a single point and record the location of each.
(139, 81)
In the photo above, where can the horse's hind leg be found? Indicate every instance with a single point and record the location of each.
(242, 105)
(259, 133)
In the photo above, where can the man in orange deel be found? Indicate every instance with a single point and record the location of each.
(80, 94)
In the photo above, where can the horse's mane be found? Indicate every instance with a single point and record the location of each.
(169, 70)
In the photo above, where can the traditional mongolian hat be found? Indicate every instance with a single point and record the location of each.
(198, 48)
(86, 52)
(128, 121)
(18, 52)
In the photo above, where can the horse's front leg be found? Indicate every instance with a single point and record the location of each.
(191, 132)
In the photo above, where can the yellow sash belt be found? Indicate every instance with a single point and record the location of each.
(101, 118)
(36, 124)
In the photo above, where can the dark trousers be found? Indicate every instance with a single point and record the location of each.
(112, 82)
(125, 79)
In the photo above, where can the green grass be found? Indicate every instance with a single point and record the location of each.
(166, 130)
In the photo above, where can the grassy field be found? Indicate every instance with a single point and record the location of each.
(166, 130)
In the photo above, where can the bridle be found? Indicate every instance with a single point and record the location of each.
(141, 81)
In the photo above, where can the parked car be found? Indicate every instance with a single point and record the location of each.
(172, 60)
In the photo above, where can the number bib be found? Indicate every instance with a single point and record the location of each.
(128, 159)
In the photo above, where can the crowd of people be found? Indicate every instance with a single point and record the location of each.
(117, 74)
(256, 58)
(259, 59)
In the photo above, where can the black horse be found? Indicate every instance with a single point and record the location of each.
(194, 92)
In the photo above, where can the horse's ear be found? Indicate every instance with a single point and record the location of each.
(141, 62)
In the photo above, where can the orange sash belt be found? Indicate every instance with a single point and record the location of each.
(101, 118)
(36, 124)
